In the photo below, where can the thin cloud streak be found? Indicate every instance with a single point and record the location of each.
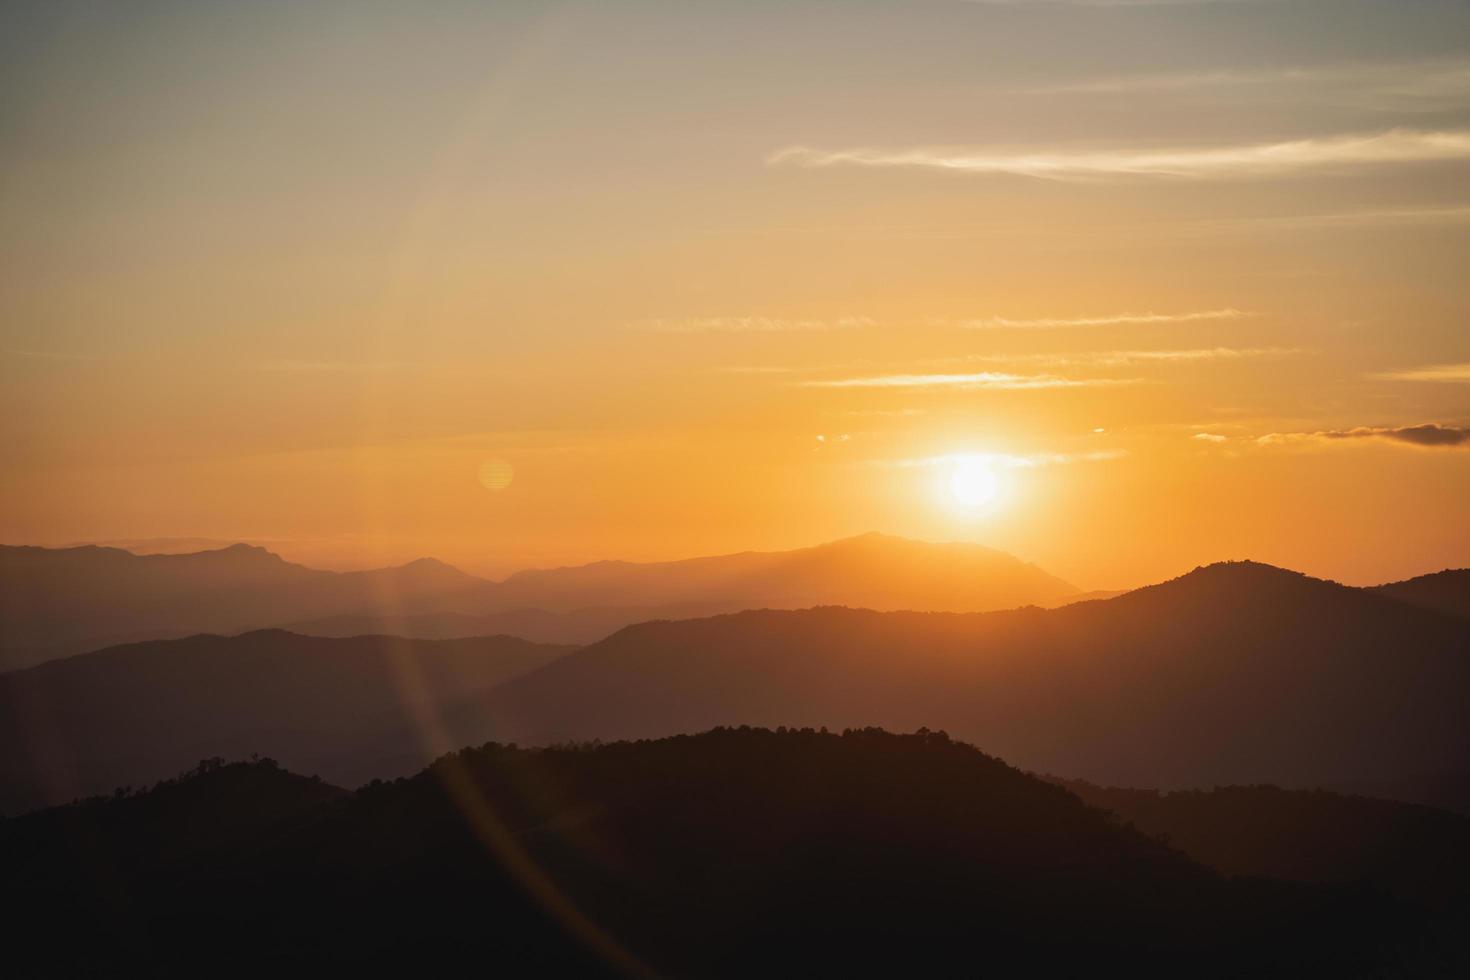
(1113, 320)
(1120, 358)
(752, 324)
(996, 380)
(1407, 86)
(1427, 434)
(1002, 460)
(330, 367)
(1394, 147)
(1434, 372)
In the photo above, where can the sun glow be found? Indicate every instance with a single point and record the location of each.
(973, 482)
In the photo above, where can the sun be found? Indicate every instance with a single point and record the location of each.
(973, 483)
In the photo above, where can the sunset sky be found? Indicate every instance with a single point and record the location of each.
(519, 284)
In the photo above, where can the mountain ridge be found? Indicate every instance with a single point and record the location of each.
(55, 602)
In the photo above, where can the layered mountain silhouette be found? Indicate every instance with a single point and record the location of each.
(131, 715)
(56, 602)
(1233, 674)
(731, 853)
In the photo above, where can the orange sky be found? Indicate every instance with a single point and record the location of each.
(1187, 277)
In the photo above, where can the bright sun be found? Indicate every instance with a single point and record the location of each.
(973, 482)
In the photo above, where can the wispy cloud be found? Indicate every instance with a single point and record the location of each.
(981, 379)
(1101, 3)
(1432, 372)
(1408, 217)
(329, 367)
(1111, 320)
(1120, 358)
(49, 355)
(1412, 86)
(1002, 460)
(751, 324)
(1427, 434)
(1214, 437)
(1396, 146)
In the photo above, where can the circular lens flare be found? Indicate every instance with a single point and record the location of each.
(973, 483)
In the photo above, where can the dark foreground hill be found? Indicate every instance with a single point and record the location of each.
(1235, 673)
(134, 714)
(1447, 591)
(733, 853)
(1417, 853)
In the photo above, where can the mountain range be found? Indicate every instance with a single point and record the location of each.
(133, 714)
(1235, 673)
(57, 602)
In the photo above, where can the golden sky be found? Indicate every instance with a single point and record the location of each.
(521, 284)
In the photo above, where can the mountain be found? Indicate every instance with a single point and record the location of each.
(1234, 673)
(1447, 591)
(579, 626)
(732, 853)
(873, 571)
(131, 715)
(56, 602)
(1417, 853)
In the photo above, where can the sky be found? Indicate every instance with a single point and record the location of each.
(529, 284)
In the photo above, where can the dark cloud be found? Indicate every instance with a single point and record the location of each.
(1427, 434)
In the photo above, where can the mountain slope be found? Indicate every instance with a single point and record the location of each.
(1447, 591)
(1416, 852)
(874, 571)
(1235, 673)
(134, 714)
(58, 602)
(579, 626)
(732, 853)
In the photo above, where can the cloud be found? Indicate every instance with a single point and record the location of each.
(1429, 434)
(1120, 358)
(751, 324)
(1112, 320)
(1002, 460)
(1433, 372)
(329, 367)
(1405, 217)
(49, 355)
(1412, 86)
(1395, 146)
(1210, 437)
(1101, 3)
(981, 379)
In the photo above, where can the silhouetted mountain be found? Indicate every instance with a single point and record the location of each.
(874, 571)
(580, 627)
(133, 714)
(1447, 591)
(214, 805)
(1234, 673)
(728, 854)
(58, 602)
(1416, 852)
